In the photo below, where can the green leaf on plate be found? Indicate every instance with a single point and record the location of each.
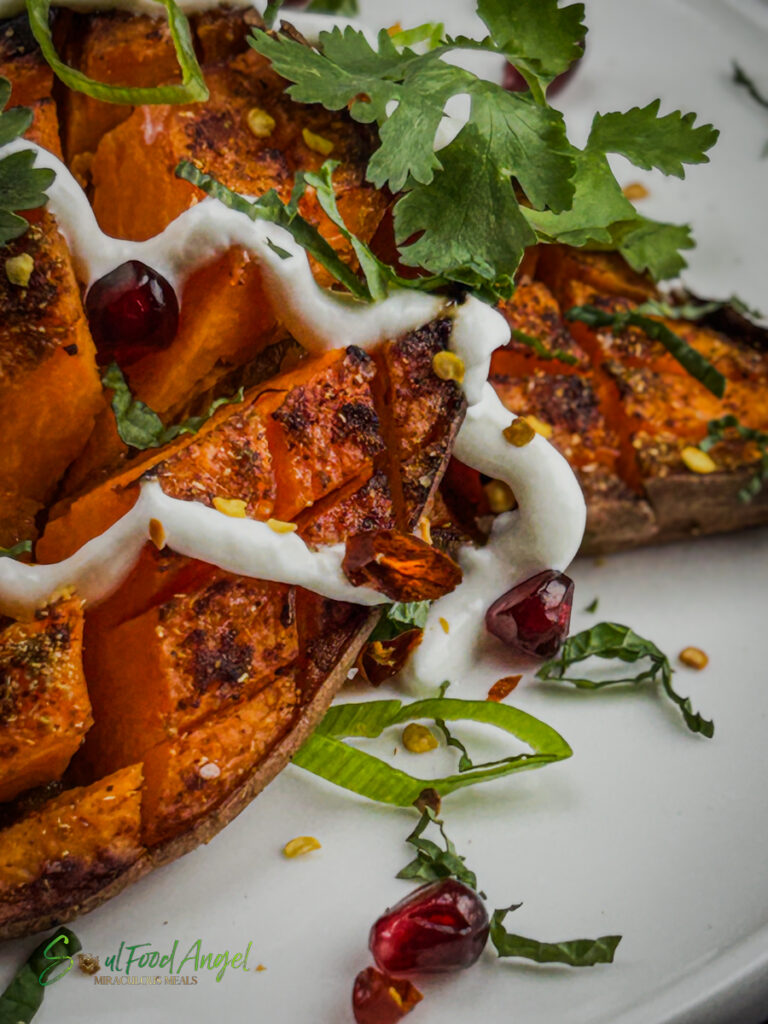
(573, 952)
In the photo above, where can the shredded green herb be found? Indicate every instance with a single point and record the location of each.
(740, 77)
(574, 952)
(541, 349)
(22, 548)
(685, 354)
(325, 754)
(592, 606)
(729, 426)
(431, 862)
(24, 995)
(22, 185)
(400, 617)
(614, 642)
(191, 89)
(139, 426)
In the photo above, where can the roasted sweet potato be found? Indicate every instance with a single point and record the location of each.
(81, 844)
(49, 387)
(22, 63)
(164, 671)
(44, 706)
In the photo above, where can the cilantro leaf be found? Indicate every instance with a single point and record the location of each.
(649, 141)
(574, 952)
(721, 429)
(612, 641)
(648, 245)
(345, 8)
(22, 186)
(22, 548)
(539, 37)
(139, 426)
(685, 354)
(431, 863)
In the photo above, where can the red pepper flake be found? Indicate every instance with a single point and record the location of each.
(382, 659)
(379, 999)
(503, 687)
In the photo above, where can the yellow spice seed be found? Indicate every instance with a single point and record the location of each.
(545, 429)
(157, 533)
(418, 738)
(500, 496)
(280, 527)
(300, 845)
(693, 657)
(519, 432)
(260, 967)
(317, 143)
(18, 269)
(445, 624)
(448, 366)
(234, 507)
(425, 530)
(697, 461)
(395, 997)
(260, 123)
(635, 190)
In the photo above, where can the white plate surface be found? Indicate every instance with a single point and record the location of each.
(647, 830)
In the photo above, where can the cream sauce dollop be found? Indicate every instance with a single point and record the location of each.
(543, 532)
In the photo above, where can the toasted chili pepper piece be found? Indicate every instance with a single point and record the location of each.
(399, 565)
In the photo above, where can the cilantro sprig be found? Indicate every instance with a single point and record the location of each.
(510, 177)
(22, 548)
(22, 185)
(614, 642)
(139, 426)
(685, 354)
(740, 77)
(729, 426)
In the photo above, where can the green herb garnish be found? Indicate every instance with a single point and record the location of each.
(191, 89)
(139, 426)
(541, 349)
(574, 953)
(24, 995)
(431, 862)
(592, 606)
(22, 548)
(685, 354)
(22, 186)
(454, 199)
(325, 754)
(342, 8)
(740, 77)
(725, 427)
(398, 618)
(614, 642)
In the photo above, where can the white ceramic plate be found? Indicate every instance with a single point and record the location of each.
(647, 830)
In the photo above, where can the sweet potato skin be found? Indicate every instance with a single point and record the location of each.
(44, 706)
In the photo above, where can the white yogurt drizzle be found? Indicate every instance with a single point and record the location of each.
(543, 532)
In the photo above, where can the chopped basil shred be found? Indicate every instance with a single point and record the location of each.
(139, 426)
(614, 642)
(191, 89)
(541, 349)
(22, 186)
(740, 77)
(574, 952)
(729, 426)
(325, 754)
(22, 548)
(431, 862)
(400, 617)
(685, 354)
(24, 995)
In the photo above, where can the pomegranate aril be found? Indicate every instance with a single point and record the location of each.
(440, 927)
(535, 616)
(131, 311)
(379, 999)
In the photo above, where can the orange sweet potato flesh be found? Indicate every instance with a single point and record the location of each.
(44, 706)
(118, 48)
(164, 671)
(188, 776)
(365, 503)
(606, 273)
(49, 386)
(58, 856)
(534, 311)
(22, 63)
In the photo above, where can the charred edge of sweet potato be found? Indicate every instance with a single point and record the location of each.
(87, 897)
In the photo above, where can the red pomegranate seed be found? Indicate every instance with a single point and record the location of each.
(379, 999)
(534, 617)
(132, 310)
(442, 926)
